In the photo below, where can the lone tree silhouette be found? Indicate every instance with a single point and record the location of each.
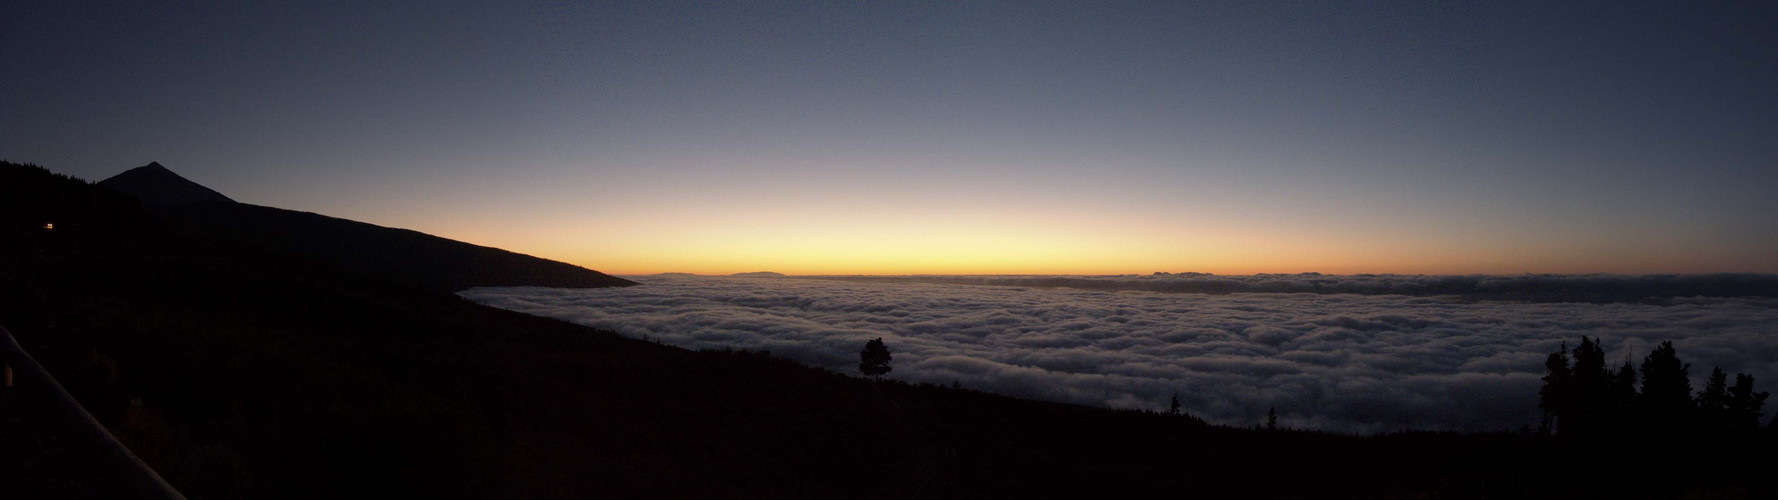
(874, 359)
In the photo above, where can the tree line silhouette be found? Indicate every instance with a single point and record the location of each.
(1583, 399)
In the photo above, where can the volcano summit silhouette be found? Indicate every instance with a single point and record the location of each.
(156, 186)
(397, 255)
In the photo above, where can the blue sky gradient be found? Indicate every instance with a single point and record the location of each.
(1129, 137)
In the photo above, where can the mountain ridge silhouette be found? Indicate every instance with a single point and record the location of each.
(402, 256)
(156, 186)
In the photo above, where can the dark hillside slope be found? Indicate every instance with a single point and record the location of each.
(397, 255)
(241, 373)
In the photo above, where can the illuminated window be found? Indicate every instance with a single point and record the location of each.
(49, 227)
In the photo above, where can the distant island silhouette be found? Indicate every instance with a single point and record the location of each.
(759, 274)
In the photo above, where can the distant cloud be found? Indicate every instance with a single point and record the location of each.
(1343, 362)
(1526, 287)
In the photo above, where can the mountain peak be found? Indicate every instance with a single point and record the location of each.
(157, 186)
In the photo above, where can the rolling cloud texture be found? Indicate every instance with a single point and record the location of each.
(1339, 353)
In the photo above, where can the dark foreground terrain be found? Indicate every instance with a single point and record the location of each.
(238, 370)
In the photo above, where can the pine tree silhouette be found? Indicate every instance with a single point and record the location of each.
(1584, 400)
(874, 359)
(1590, 390)
(1666, 391)
(1620, 412)
(1744, 405)
(1713, 402)
(1553, 397)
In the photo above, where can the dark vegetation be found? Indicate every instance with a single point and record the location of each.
(1592, 409)
(261, 372)
(1585, 400)
(874, 360)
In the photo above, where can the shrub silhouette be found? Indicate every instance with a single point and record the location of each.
(874, 359)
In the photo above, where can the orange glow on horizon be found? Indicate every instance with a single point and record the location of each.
(1039, 254)
(798, 239)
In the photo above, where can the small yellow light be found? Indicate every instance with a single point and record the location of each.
(49, 227)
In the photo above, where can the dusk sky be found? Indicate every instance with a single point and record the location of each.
(888, 138)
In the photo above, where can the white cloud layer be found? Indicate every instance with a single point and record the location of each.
(1330, 361)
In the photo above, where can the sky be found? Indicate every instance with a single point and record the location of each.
(947, 137)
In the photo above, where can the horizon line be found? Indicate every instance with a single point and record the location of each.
(1188, 274)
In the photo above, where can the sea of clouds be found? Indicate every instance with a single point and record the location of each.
(1349, 354)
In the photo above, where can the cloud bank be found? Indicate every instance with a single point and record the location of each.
(1597, 288)
(1343, 362)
